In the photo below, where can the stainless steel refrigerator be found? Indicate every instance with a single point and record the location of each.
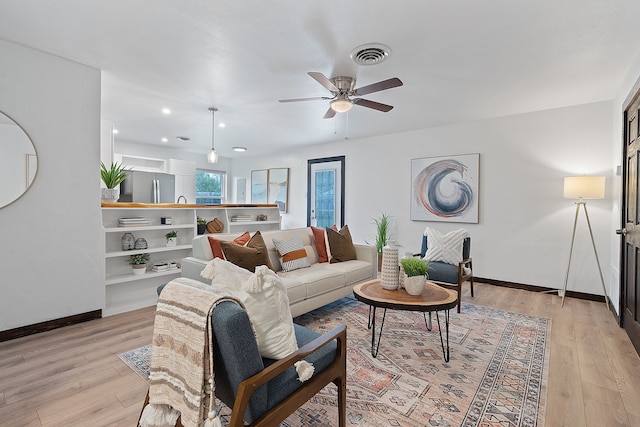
(148, 187)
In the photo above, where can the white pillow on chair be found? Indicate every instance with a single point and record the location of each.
(445, 247)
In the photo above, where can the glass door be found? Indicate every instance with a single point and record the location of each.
(325, 187)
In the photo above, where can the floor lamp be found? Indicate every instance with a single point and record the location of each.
(584, 187)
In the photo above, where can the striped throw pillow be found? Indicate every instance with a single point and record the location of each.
(291, 253)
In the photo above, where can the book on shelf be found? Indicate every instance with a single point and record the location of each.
(132, 222)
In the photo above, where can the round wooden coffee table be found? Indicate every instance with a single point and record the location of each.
(433, 298)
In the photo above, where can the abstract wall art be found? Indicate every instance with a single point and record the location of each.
(279, 188)
(259, 186)
(445, 188)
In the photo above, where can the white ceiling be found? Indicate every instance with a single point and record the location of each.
(459, 60)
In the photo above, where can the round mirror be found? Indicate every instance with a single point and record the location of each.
(18, 161)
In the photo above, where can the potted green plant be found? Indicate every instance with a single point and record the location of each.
(415, 271)
(171, 237)
(202, 225)
(138, 263)
(112, 177)
(382, 235)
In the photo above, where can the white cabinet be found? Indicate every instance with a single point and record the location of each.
(125, 291)
(185, 173)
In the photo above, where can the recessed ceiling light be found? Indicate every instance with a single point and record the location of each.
(165, 140)
(115, 131)
(222, 125)
(240, 149)
(166, 111)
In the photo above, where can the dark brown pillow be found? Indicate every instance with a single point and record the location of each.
(341, 245)
(249, 256)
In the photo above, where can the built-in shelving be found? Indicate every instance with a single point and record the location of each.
(125, 291)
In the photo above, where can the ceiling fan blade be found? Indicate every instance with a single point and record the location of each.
(329, 114)
(315, 98)
(372, 104)
(377, 87)
(320, 78)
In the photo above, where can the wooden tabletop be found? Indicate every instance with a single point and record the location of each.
(433, 298)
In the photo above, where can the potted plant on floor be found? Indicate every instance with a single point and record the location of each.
(171, 237)
(112, 177)
(382, 235)
(138, 263)
(415, 270)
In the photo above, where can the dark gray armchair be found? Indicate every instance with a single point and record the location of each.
(264, 392)
(450, 275)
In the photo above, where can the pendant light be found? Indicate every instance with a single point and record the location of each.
(213, 156)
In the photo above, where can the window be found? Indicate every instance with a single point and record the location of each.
(210, 187)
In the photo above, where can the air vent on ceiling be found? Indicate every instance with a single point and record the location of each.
(370, 54)
(183, 138)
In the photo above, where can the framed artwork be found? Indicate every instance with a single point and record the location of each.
(279, 188)
(445, 188)
(259, 186)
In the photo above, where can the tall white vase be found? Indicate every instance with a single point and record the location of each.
(389, 271)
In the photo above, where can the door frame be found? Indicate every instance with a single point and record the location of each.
(311, 162)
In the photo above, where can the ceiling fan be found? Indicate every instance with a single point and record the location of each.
(342, 89)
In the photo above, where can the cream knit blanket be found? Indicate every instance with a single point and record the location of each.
(181, 374)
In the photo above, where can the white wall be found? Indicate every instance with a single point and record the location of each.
(525, 224)
(50, 247)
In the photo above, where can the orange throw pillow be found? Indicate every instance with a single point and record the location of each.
(321, 246)
(216, 249)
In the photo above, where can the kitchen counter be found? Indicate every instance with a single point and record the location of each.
(181, 205)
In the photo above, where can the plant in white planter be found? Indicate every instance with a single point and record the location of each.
(112, 177)
(171, 237)
(415, 270)
(138, 263)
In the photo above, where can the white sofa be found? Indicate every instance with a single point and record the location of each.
(307, 288)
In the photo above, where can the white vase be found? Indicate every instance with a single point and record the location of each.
(110, 194)
(139, 268)
(389, 271)
(414, 285)
(171, 241)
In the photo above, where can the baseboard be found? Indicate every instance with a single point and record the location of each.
(533, 288)
(49, 325)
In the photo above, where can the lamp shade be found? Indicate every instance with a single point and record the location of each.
(584, 187)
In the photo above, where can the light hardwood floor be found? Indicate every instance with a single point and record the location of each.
(73, 377)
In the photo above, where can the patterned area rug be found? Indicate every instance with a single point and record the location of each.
(496, 375)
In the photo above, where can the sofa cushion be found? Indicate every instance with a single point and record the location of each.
(353, 271)
(291, 253)
(216, 248)
(317, 280)
(341, 245)
(249, 256)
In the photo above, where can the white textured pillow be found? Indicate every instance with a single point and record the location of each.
(267, 304)
(445, 247)
(291, 253)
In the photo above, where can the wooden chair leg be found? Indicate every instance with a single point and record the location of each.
(471, 283)
(341, 383)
